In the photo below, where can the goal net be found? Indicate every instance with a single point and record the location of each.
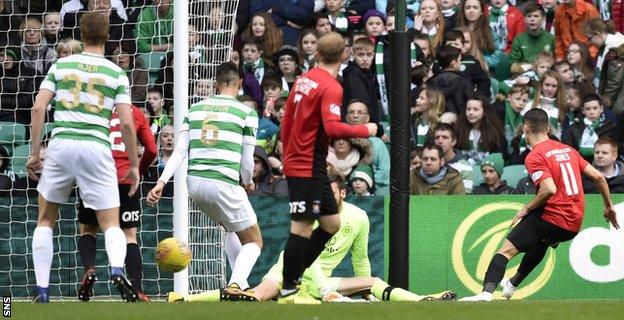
(148, 59)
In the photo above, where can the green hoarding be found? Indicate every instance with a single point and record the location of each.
(453, 238)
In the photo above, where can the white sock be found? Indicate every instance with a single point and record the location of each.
(42, 250)
(115, 240)
(232, 247)
(244, 263)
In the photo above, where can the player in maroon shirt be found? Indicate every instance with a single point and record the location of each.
(311, 119)
(129, 210)
(555, 214)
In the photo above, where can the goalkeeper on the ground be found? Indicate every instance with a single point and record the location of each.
(317, 282)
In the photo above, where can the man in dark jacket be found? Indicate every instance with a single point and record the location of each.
(449, 80)
(492, 170)
(605, 160)
(119, 29)
(435, 177)
(266, 183)
(17, 85)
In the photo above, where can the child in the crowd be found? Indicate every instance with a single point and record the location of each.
(337, 14)
(430, 21)
(278, 110)
(577, 55)
(470, 48)
(527, 45)
(252, 58)
(320, 22)
(374, 23)
(420, 75)
(266, 128)
(67, 47)
(543, 62)
(157, 106)
(470, 67)
(359, 80)
(480, 130)
(564, 69)
(550, 95)
(362, 181)
(449, 80)
(52, 25)
(506, 22)
(472, 14)
(287, 62)
(492, 172)
(596, 124)
(262, 26)
(423, 42)
(428, 106)
(510, 110)
(572, 108)
(449, 12)
(307, 48)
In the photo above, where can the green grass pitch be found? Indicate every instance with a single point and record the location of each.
(499, 310)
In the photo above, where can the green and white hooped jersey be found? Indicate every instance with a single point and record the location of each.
(86, 87)
(218, 127)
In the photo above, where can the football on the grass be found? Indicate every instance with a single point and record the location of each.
(172, 255)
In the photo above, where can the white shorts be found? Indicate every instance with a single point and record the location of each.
(88, 164)
(224, 203)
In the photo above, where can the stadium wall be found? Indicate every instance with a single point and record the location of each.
(452, 240)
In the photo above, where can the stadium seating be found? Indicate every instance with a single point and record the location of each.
(12, 133)
(513, 174)
(151, 62)
(477, 178)
(18, 162)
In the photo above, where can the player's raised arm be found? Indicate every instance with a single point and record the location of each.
(601, 183)
(249, 144)
(128, 134)
(37, 115)
(334, 127)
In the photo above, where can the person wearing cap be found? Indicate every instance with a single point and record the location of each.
(361, 180)
(435, 177)
(492, 171)
(287, 62)
(18, 85)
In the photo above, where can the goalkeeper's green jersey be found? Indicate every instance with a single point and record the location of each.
(352, 236)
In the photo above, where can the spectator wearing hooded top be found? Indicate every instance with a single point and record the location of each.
(449, 80)
(267, 184)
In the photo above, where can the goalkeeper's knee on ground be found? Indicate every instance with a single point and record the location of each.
(385, 292)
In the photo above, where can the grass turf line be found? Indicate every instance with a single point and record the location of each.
(524, 310)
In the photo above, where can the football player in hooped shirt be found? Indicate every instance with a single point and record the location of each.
(312, 117)
(555, 214)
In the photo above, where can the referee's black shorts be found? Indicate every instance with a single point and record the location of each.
(310, 198)
(129, 210)
(533, 231)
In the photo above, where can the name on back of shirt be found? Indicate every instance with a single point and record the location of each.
(216, 108)
(87, 68)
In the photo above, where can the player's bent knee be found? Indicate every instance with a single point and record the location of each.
(130, 235)
(86, 229)
(508, 250)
